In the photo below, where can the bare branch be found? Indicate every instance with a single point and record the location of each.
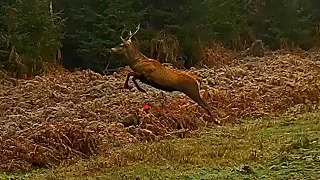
(105, 71)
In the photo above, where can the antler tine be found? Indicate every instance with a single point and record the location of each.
(121, 37)
(137, 29)
(132, 34)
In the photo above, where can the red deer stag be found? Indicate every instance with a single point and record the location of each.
(153, 73)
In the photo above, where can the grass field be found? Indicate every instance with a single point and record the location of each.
(286, 147)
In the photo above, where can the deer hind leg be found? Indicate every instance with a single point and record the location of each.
(134, 79)
(194, 94)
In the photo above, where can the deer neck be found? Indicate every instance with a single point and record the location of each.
(135, 57)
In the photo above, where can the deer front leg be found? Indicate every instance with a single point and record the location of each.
(134, 79)
(126, 83)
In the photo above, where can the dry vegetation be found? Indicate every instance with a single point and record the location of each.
(215, 56)
(62, 115)
(165, 48)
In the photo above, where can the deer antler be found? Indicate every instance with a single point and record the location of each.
(122, 35)
(132, 34)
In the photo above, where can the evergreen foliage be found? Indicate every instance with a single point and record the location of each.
(93, 26)
(30, 36)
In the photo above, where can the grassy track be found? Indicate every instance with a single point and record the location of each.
(280, 148)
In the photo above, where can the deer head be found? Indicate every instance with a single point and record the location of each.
(127, 48)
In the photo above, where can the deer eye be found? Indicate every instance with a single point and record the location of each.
(124, 44)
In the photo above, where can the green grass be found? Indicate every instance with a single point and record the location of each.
(277, 148)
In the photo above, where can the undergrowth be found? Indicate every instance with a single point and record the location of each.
(62, 116)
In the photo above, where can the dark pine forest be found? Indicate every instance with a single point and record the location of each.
(79, 33)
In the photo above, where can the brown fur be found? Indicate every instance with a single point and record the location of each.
(153, 73)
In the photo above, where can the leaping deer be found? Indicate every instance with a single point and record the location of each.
(153, 73)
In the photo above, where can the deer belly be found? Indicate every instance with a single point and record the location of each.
(157, 85)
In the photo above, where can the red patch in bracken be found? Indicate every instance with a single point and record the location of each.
(146, 107)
